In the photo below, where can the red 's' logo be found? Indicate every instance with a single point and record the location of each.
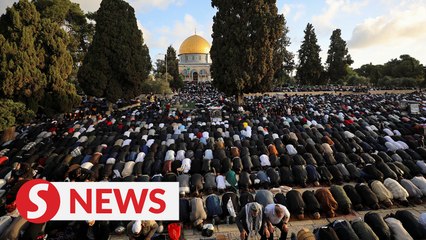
(38, 201)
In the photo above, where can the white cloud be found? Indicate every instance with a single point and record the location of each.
(181, 29)
(399, 25)
(4, 4)
(324, 21)
(145, 5)
(294, 11)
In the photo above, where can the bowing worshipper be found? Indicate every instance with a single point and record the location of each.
(354, 196)
(378, 225)
(209, 182)
(343, 201)
(398, 192)
(325, 232)
(398, 231)
(313, 175)
(411, 224)
(327, 201)
(231, 180)
(213, 207)
(363, 230)
(295, 204)
(413, 191)
(420, 182)
(250, 221)
(244, 181)
(300, 175)
(344, 230)
(304, 234)
(184, 184)
(245, 197)
(230, 206)
(198, 214)
(264, 197)
(277, 215)
(313, 207)
(326, 176)
(196, 183)
(383, 194)
(144, 229)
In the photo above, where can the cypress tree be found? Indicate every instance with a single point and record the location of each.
(338, 58)
(35, 63)
(283, 58)
(118, 61)
(245, 35)
(310, 68)
(173, 69)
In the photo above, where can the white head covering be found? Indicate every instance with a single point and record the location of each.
(137, 227)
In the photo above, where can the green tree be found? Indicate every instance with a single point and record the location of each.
(71, 18)
(283, 58)
(245, 36)
(338, 57)
(310, 68)
(35, 63)
(404, 67)
(117, 61)
(372, 72)
(172, 68)
(13, 113)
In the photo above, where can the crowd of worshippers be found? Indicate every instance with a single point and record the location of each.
(240, 170)
(337, 88)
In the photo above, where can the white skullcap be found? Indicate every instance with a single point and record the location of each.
(137, 227)
(87, 165)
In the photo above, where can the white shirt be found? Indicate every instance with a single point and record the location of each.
(270, 213)
(206, 135)
(180, 155)
(388, 132)
(208, 154)
(149, 142)
(291, 150)
(391, 146)
(170, 155)
(186, 165)
(127, 134)
(420, 182)
(140, 157)
(398, 231)
(264, 160)
(220, 182)
(126, 142)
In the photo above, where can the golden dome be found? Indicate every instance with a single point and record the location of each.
(194, 45)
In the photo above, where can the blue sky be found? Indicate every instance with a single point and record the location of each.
(375, 30)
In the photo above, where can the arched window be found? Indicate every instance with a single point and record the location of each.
(203, 72)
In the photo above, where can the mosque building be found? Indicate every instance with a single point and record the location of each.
(194, 59)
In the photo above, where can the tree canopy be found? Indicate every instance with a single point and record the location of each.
(69, 16)
(338, 58)
(35, 63)
(283, 58)
(406, 70)
(176, 81)
(117, 61)
(12, 113)
(245, 38)
(310, 69)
